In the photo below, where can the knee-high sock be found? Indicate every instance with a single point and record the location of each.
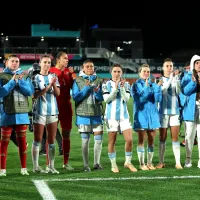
(22, 150)
(162, 146)
(97, 148)
(128, 156)
(112, 157)
(176, 150)
(141, 154)
(51, 155)
(150, 154)
(198, 136)
(66, 149)
(85, 147)
(35, 154)
(6, 133)
(21, 139)
(189, 138)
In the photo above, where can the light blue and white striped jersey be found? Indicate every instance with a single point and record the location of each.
(116, 105)
(45, 104)
(170, 92)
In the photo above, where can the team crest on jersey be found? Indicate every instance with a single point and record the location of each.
(104, 87)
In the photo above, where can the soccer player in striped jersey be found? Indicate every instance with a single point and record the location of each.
(45, 113)
(169, 110)
(146, 95)
(116, 94)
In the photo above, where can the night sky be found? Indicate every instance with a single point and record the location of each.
(161, 35)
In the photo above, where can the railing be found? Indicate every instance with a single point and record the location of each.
(112, 57)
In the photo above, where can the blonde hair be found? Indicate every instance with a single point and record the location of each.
(143, 66)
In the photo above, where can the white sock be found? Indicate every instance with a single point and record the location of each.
(51, 155)
(150, 155)
(128, 157)
(112, 157)
(97, 148)
(35, 154)
(162, 146)
(85, 148)
(176, 150)
(141, 155)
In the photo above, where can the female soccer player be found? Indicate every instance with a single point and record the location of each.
(116, 94)
(146, 95)
(45, 113)
(169, 110)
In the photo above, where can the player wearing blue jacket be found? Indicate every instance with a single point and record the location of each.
(146, 94)
(14, 111)
(190, 87)
(87, 94)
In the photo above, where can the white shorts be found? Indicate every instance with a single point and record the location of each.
(118, 125)
(169, 120)
(90, 128)
(44, 120)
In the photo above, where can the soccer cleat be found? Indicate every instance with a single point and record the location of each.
(115, 169)
(151, 167)
(97, 167)
(144, 167)
(86, 169)
(188, 163)
(178, 166)
(3, 172)
(52, 170)
(39, 170)
(130, 167)
(24, 171)
(160, 166)
(68, 167)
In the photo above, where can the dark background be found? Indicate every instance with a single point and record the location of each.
(163, 33)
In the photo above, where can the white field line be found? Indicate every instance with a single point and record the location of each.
(44, 190)
(123, 178)
(47, 194)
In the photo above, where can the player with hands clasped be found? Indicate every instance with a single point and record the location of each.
(169, 110)
(190, 87)
(146, 95)
(116, 94)
(45, 114)
(87, 94)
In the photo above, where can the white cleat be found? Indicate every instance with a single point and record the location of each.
(68, 167)
(24, 171)
(51, 170)
(3, 172)
(39, 170)
(188, 163)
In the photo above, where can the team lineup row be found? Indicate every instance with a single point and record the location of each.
(158, 105)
